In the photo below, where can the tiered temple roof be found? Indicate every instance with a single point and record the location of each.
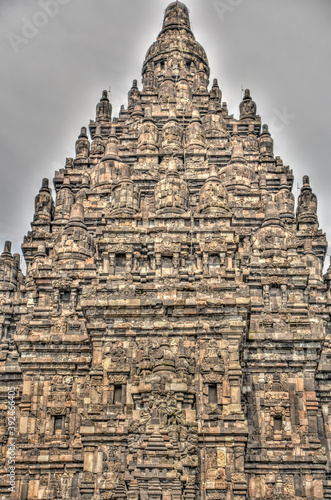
(171, 337)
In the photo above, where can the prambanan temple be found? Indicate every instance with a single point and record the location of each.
(171, 337)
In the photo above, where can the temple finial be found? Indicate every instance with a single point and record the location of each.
(177, 14)
(104, 108)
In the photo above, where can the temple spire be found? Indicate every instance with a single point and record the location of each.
(104, 109)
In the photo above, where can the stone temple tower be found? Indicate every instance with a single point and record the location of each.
(171, 338)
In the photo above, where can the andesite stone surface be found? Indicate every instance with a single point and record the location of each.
(171, 337)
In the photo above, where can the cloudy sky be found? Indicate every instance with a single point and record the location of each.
(58, 55)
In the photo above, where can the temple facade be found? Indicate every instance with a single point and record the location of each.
(171, 337)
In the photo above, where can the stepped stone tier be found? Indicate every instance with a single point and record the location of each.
(171, 338)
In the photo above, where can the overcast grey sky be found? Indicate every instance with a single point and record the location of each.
(54, 70)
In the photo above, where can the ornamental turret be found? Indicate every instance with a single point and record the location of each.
(266, 143)
(251, 143)
(271, 241)
(247, 107)
(74, 243)
(272, 217)
(213, 197)
(183, 90)
(313, 263)
(307, 205)
(172, 134)
(200, 80)
(84, 187)
(133, 96)
(149, 81)
(167, 89)
(111, 152)
(104, 109)
(137, 113)
(124, 198)
(44, 205)
(216, 94)
(237, 174)
(82, 145)
(97, 146)
(195, 135)
(285, 200)
(171, 193)
(64, 201)
(148, 134)
(38, 259)
(213, 122)
(108, 171)
(10, 273)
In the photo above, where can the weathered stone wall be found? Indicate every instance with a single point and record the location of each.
(171, 337)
